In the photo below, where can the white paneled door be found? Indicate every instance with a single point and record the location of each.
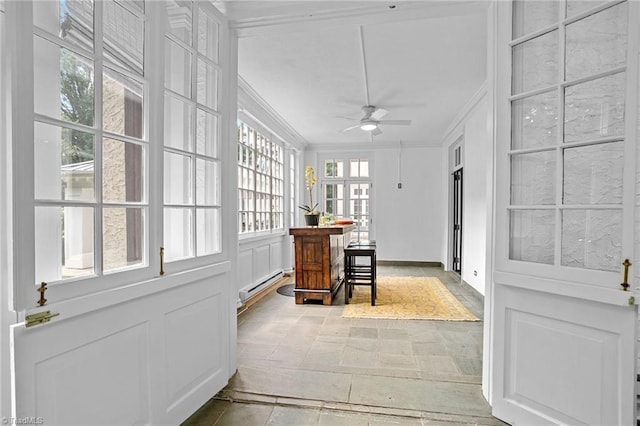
(138, 301)
(563, 328)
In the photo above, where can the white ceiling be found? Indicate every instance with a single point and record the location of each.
(424, 61)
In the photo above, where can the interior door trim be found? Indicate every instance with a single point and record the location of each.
(609, 295)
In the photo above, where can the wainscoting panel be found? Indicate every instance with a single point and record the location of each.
(260, 264)
(192, 335)
(570, 353)
(560, 359)
(275, 257)
(153, 358)
(65, 384)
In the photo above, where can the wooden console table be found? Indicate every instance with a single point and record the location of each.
(319, 261)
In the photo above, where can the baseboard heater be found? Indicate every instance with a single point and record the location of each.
(251, 290)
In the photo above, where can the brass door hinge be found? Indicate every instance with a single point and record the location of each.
(39, 318)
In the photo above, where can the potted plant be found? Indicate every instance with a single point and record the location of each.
(311, 216)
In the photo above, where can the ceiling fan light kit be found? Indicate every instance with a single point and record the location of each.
(368, 126)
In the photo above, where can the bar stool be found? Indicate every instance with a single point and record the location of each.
(358, 271)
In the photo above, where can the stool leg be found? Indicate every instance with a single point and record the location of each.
(346, 280)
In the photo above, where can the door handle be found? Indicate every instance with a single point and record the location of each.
(625, 278)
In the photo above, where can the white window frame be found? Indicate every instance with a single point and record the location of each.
(22, 119)
(345, 180)
(191, 99)
(595, 278)
(272, 141)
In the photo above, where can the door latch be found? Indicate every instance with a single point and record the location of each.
(39, 318)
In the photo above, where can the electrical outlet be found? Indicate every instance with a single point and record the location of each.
(475, 273)
(399, 185)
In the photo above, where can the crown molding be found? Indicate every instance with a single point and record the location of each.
(251, 104)
(369, 146)
(373, 12)
(453, 131)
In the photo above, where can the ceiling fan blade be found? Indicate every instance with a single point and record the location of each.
(396, 122)
(376, 131)
(378, 114)
(350, 128)
(347, 118)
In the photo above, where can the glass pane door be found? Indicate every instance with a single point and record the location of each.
(359, 209)
(568, 135)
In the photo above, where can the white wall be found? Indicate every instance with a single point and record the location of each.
(477, 143)
(474, 125)
(408, 220)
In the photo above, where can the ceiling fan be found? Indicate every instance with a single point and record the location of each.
(371, 120)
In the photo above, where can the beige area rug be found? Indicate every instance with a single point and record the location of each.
(423, 298)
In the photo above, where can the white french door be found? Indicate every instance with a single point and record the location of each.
(97, 87)
(347, 192)
(563, 329)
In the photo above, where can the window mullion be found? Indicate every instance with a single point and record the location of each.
(562, 33)
(98, 123)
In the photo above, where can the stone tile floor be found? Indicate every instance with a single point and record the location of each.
(306, 365)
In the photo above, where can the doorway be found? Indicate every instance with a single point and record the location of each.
(455, 164)
(457, 221)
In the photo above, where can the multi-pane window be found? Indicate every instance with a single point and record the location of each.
(91, 146)
(567, 133)
(333, 191)
(192, 168)
(260, 181)
(292, 188)
(348, 196)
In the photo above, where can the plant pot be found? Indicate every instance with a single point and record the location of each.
(312, 219)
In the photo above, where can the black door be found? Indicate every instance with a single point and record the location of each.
(457, 220)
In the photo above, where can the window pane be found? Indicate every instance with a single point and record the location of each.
(592, 239)
(123, 37)
(575, 7)
(123, 171)
(245, 222)
(122, 101)
(63, 163)
(208, 235)
(71, 20)
(334, 168)
(177, 70)
(207, 183)
(207, 84)
(177, 123)
(595, 109)
(597, 43)
(64, 241)
(177, 179)
(533, 178)
(122, 237)
(206, 133)
(534, 121)
(531, 236)
(207, 36)
(535, 63)
(179, 14)
(364, 168)
(530, 16)
(178, 231)
(63, 83)
(593, 174)
(354, 169)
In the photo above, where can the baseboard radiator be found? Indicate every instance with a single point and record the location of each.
(251, 290)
